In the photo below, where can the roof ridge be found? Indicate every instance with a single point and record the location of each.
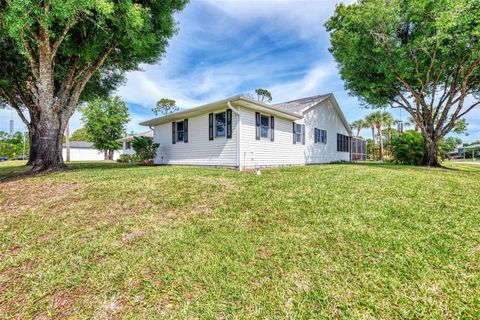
(305, 98)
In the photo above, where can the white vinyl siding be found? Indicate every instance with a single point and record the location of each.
(263, 152)
(199, 150)
(323, 116)
(87, 154)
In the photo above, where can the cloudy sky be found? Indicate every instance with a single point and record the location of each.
(227, 47)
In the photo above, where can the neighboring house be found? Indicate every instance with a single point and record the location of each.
(84, 151)
(243, 133)
(127, 141)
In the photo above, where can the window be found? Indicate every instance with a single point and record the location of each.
(264, 126)
(220, 124)
(298, 133)
(128, 145)
(320, 136)
(342, 143)
(180, 131)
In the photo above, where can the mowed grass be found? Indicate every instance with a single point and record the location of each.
(331, 241)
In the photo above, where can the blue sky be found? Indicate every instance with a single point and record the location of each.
(224, 48)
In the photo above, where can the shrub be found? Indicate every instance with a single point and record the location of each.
(408, 147)
(145, 148)
(128, 158)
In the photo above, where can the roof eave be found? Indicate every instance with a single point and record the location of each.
(211, 106)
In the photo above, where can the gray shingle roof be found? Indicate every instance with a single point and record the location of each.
(300, 104)
(80, 145)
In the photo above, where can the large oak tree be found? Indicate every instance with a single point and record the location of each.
(422, 56)
(58, 53)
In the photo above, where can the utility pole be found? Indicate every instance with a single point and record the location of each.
(11, 121)
(67, 140)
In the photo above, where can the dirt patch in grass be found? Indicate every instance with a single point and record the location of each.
(18, 196)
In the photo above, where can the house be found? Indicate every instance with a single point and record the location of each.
(127, 141)
(84, 151)
(243, 133)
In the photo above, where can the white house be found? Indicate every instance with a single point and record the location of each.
(243, 133)
(127, 141)
(84, 151)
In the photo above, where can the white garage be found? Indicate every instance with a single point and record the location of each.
(84, 151)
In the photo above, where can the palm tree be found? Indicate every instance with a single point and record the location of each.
(370, 123)
(377, 118)
(389, 121)
(358, 125)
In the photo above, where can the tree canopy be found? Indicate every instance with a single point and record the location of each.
(80, 135)
(58, 53)
(165, 106)
(105, 122)
(422, 56)
(263, 95)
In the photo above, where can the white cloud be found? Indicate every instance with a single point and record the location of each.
(306, 17)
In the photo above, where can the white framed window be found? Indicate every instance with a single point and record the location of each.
(298, 132)
(180, 131)
(320, 136)
(264, 126)
(128, 145)
(220, 120)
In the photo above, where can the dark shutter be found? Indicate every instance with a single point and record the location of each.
(185, 130)
(272, 127)
(257, 125)
(303, 134)
(174, 127)
(210, 126)
(229, 123)
(294, 134)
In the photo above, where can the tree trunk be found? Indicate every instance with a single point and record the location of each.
(373, 143)
(430, 158)
(50, 139)
(33, 147)
(389, 138)
(110, 154)
(380, 140)
(105, 154)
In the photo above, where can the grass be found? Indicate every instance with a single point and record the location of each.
(332, 241)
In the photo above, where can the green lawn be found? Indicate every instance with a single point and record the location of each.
(335, 241)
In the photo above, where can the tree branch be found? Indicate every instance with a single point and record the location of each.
(15, 106)
(64, 33)
(31, 59)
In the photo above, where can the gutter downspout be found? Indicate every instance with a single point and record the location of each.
(239, 124)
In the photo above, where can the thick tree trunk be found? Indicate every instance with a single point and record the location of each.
(33, 147)
(430, 158)
(49, 137)
(110, 154)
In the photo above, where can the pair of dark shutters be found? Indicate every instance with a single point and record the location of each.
(258, 120)
(228, 124)
(295, 133)
(185, 131)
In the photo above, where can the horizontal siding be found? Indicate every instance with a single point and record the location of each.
(324, 116)
(264, 152)
(199, 150)
(85, 154)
